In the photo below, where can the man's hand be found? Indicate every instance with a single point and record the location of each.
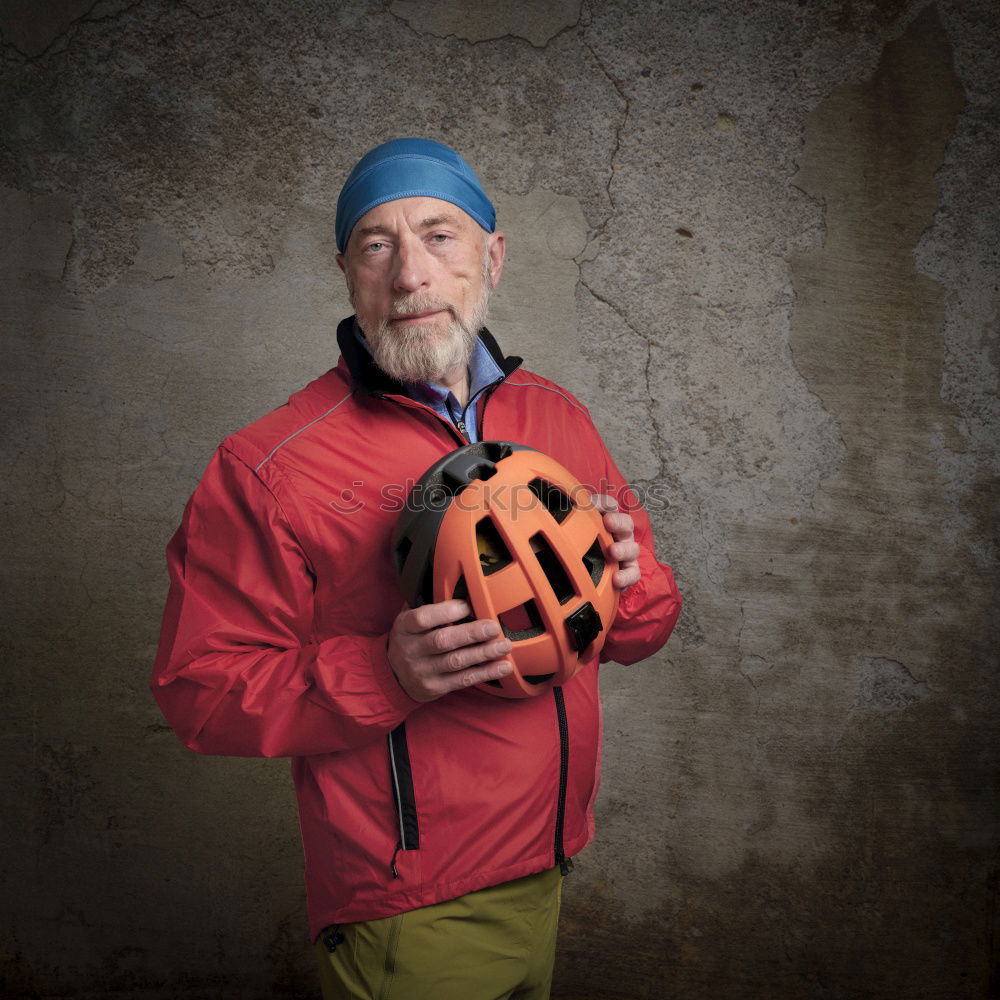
(429, 660)
(625, 548)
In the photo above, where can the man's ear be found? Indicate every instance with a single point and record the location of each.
(340, 263)
(497, 247)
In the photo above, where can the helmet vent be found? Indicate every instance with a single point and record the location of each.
(561, 585)
(425, 593)
(521, 622)
(539, 678)
(402, 551)
(457, 478)
(461, 593)
(496, 451)
(593, 560)
(493, 554)
(557, 503)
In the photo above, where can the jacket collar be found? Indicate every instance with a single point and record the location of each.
(367, 375)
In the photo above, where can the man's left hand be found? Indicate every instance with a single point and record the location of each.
(625, 548)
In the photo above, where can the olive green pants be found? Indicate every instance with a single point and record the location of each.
(495, 944)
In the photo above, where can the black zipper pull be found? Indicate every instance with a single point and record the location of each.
(566, 866)
(460, 424)
(392, 864)
(332, 936)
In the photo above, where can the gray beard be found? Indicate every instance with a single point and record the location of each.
(420, 354)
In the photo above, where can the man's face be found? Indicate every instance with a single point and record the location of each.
(419, 272)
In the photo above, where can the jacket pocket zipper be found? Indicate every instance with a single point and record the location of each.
(565, 864)
(402, 790)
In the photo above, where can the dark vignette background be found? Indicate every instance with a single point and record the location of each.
(760, 241)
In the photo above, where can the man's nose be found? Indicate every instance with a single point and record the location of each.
(412, 271)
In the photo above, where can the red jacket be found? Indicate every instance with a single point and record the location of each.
(282, 592)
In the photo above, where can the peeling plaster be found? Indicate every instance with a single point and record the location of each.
(887, 686)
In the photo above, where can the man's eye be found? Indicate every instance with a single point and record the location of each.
(439, 237)
(374, 247)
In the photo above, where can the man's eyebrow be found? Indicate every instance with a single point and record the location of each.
(439, 220)
(374, 230)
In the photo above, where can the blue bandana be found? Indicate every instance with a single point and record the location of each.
(410, 168)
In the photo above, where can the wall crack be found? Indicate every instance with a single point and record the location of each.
(619, 130)
(658, 436)
(481, 25)
(70, 31)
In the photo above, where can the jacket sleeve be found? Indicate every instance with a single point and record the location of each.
(238, 670)
(648, 610)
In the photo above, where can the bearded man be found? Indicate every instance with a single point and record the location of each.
(437, 820)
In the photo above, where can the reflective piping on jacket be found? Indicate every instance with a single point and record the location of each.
(402, 789)
(395, 791)
(548, 388)
(304, 427)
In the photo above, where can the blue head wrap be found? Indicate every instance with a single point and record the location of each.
(410, 168)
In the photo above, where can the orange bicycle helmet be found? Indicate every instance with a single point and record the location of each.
(512, 532)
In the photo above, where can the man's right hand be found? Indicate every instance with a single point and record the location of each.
(430, 660)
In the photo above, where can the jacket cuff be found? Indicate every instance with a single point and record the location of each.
(633, 599)
(385, 676)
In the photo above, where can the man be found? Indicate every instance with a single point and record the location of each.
(433, 862)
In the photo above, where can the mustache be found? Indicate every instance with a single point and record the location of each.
(419, 303)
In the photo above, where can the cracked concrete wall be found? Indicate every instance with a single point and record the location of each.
(760, 241)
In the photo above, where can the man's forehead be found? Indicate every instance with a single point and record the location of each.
(416, 213)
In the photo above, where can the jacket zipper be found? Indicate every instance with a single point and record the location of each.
(486, 391)
(565, 864)
(460, 425)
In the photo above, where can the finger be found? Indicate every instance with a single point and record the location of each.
(603, 502)
(470, 656)
(430, 616)
(449, 637)
(626, 577)
(624, 552)
(494, 671)
(620, 525)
